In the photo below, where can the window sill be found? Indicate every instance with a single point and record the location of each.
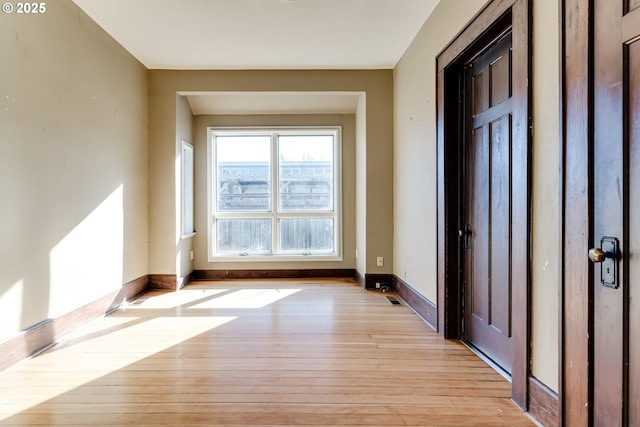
(275, 258)
(187, 236)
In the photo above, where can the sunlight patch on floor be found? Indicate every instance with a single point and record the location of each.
(247, 298)
(135, 343)
(180, 298)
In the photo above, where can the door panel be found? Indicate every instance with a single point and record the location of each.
(500, 298)
(480, 92)
(487, 206)
(616, 182)
(500, 78)
(478, 216)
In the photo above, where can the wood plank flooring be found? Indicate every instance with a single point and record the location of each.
(258, 353)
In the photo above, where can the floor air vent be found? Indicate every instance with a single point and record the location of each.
(393, 301)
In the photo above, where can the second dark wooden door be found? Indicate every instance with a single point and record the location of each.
(485, 228)
(616, 201)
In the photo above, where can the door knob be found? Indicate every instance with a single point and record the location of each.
(598, 255)
(466, 231)
(465, 234)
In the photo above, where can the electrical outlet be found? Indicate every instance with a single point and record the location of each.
(377, 285)
(380, 261)
(191, 255)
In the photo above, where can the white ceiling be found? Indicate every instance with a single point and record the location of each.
(263, 34)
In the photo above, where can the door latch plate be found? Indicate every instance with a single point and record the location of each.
(609, 267)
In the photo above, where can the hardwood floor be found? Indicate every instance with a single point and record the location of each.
(258, 353)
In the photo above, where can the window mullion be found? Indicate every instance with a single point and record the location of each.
(275, 198)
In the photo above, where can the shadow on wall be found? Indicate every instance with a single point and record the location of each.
(58, 273)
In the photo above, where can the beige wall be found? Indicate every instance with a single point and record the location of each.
(347, 122)
(361, 186)
(73, 130)
(415, 145)
(163, 116)
(545, 250)
(377, 155)
(415, 168)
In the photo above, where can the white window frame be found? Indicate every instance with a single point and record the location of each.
(274, 214)
(187, 225)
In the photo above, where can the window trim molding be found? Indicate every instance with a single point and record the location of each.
(276, 257)
(187, 195)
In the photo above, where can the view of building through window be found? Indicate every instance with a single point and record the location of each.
(275, 192)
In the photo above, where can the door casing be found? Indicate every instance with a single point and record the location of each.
(493, 20)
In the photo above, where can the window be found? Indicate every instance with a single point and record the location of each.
(274, 194)
(186, 190)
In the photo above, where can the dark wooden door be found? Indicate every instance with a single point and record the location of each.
(486, 208)
(616, 201)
